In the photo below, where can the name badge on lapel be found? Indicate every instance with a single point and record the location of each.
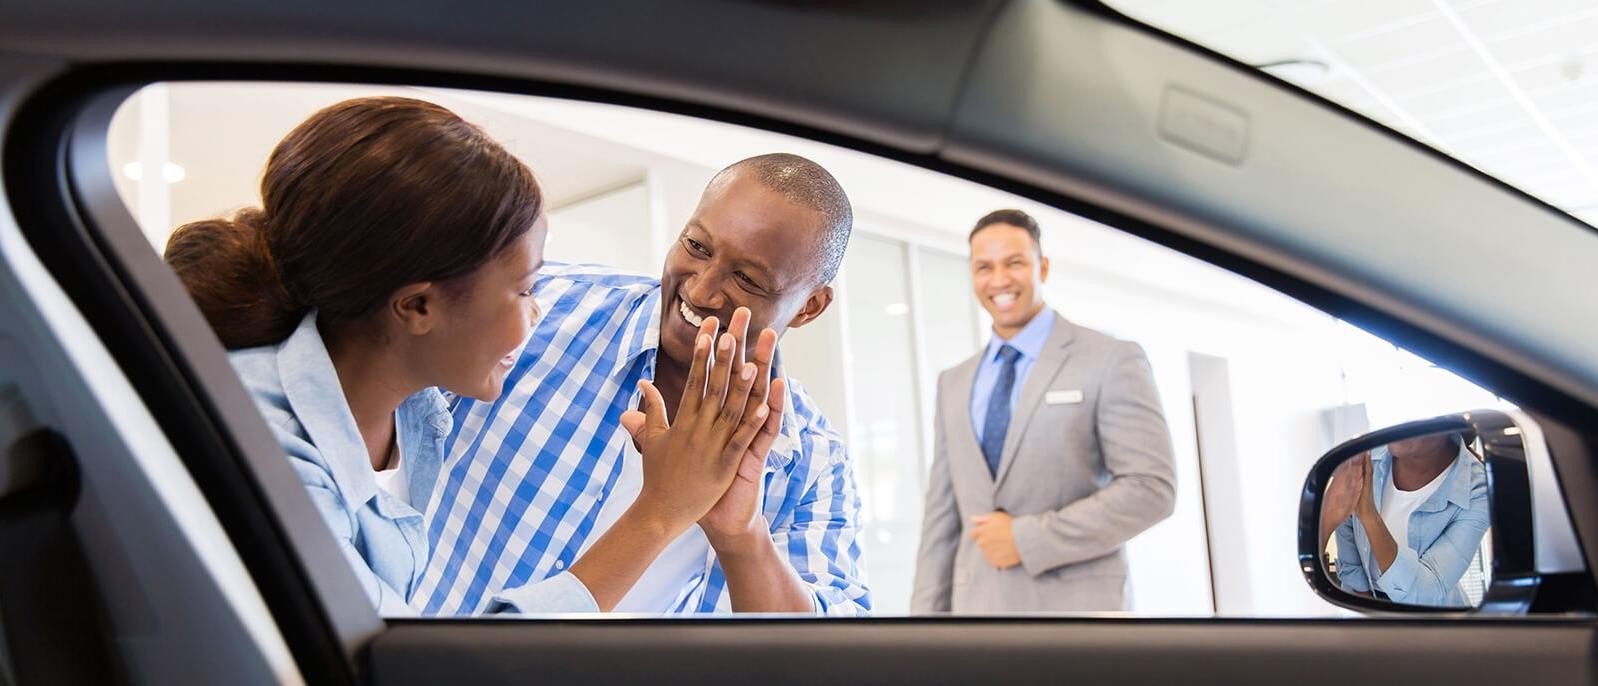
(1062, 397)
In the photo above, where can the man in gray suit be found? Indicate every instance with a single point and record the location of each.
(1050, 451)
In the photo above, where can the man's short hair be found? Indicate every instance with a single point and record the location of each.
(1016, 218)
(807, 184)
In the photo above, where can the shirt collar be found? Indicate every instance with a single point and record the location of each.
(787, 445)
(1460, 480)
(427, 408)
(645, 328)
(1456, 486)
(310, 383)
(1029, 341)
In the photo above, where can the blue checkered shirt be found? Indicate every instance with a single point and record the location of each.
(525, 476)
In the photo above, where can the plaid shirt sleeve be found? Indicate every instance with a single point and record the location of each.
(820, 523)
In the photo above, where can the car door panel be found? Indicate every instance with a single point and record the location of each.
(965, 651)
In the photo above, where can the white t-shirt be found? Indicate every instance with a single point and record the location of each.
(1398, 505)
(392, 478)
(664, 582)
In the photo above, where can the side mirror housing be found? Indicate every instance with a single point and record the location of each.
(1429, 516)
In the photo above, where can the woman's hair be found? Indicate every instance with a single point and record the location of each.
(366, 196)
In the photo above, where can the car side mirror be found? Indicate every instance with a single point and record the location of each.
(1433, 515)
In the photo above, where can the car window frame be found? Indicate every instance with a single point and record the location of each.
(78, 235)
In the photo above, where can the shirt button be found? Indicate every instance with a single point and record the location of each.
(560, 564)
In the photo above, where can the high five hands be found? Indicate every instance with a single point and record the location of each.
(705, 467)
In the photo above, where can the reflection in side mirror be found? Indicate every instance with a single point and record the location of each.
(1408, 522)
(1421, 516)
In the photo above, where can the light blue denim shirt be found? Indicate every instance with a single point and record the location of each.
(1444, 534)
(1029, 341)
(297, 390)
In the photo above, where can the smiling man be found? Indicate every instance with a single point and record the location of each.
(1050, 450)
(533, 479)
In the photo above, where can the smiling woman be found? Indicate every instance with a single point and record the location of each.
(318, 316)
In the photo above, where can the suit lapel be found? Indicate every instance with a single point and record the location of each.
(1048, 366)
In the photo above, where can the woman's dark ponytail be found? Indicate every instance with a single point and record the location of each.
(227, 267)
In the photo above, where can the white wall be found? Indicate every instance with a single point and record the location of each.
(611, 227)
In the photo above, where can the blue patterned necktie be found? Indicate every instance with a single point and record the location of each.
(997, 422)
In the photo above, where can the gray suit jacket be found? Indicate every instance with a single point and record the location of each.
(1087, 465)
